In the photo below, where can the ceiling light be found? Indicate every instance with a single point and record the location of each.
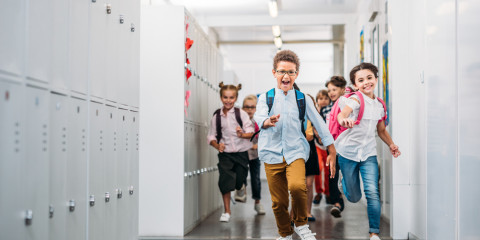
(273, 8)
(276, 31)
(278, 42)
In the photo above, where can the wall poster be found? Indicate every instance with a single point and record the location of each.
(386, 91)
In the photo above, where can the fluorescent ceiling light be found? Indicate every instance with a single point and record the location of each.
(276, 31)
(278, 42)
(273, 8)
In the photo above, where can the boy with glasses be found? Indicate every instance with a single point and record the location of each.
(283, 147)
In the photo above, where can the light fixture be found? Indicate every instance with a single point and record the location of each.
(276, 31)
(278, 42)
(273, 8)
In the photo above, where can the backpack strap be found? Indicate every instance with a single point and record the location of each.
(301, 108)
(218, 124)
(270, 97)
(384, 118)
(362, 105)
(238, 117)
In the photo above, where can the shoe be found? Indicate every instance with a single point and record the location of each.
(305, 233)
(335, 211)
(289, 237)
(311, 219)
(259, 208)
(375, 237)
(241, 195)
(327, 199)
(317, 199)
(225, 217)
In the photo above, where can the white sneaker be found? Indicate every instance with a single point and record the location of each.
(305, 233)
(375, 237)
(241, 195)
(289, 237)
(259, 208)
(225, 217)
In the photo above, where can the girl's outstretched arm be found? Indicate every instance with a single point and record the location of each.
(385, 136)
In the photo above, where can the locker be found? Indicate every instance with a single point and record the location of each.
(97, 47)
(77, 169)
(36, 170)
(78, 45)
(12, 157)
(123, 174)
(125, 37)
(39, 41)
(133, 180)
(12, 21)
(110, 171)
(60, 40)
(134, 48)
(96, 203)
(58, 166)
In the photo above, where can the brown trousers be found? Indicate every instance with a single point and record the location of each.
(281, 179)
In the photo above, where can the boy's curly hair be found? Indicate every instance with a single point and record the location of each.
(286, 56)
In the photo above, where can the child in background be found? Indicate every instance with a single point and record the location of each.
(249, 106)
(231, 138)
(357, 152)
(322, 100)
(336, 89)
(283, 148)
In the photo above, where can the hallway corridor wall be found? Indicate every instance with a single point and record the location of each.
(69, 89)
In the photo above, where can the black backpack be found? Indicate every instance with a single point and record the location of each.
(219, 122)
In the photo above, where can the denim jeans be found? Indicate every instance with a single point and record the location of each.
(351, 186)
(254, 165)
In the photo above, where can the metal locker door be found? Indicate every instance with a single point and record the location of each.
(78, 46)
(77, 169)
(58, 166)
(110, 171)
(12, 157)
(122, 174)
(113, 50)
(37, 161)
(12, 21)
(98, 47)
(96, 207)
(60, 40)
(124, 41)
(39, 40)
(134, 48)
(134, 171)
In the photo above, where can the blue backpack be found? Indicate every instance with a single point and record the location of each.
(300, 103)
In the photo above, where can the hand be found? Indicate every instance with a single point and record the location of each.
(347, 123)
(270, 122)
(331, 162)
(239, 131)
(394, 150)
(255, 146)
(221, 147)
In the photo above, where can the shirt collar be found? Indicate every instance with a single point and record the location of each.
(230, 111)
(367, 98)
(280, 91)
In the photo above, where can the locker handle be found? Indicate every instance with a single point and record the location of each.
(28, 217)
(122, 19)
(119, 193)
(92, 200)
(132, 27)
(130, 190)
(109, 8)
(107, 197)
(71, 205)
(50, 211)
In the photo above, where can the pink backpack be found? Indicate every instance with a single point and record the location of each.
(335, 128)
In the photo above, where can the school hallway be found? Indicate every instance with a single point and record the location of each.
(246, 224)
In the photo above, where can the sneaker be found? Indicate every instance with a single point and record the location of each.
(225, 217)
(304, 232)
(317, 199)
(335, 211)
(241, 195)
(375, 237)
(289, 237)
(311, 219)
(259, 208)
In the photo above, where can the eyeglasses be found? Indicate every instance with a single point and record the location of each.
(249, 107)
(282, 72)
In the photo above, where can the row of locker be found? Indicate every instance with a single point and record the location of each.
(68, 166)
(86, 47)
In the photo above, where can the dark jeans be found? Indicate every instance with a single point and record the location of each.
(255, 178)
(334, 191)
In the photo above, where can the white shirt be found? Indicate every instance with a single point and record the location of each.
(358, 143)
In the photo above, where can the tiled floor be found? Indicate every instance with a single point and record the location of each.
(245, 224)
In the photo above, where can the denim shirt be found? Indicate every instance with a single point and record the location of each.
(286, 139)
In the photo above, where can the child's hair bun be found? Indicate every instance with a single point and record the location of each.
(221, 85)
(239, 87)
